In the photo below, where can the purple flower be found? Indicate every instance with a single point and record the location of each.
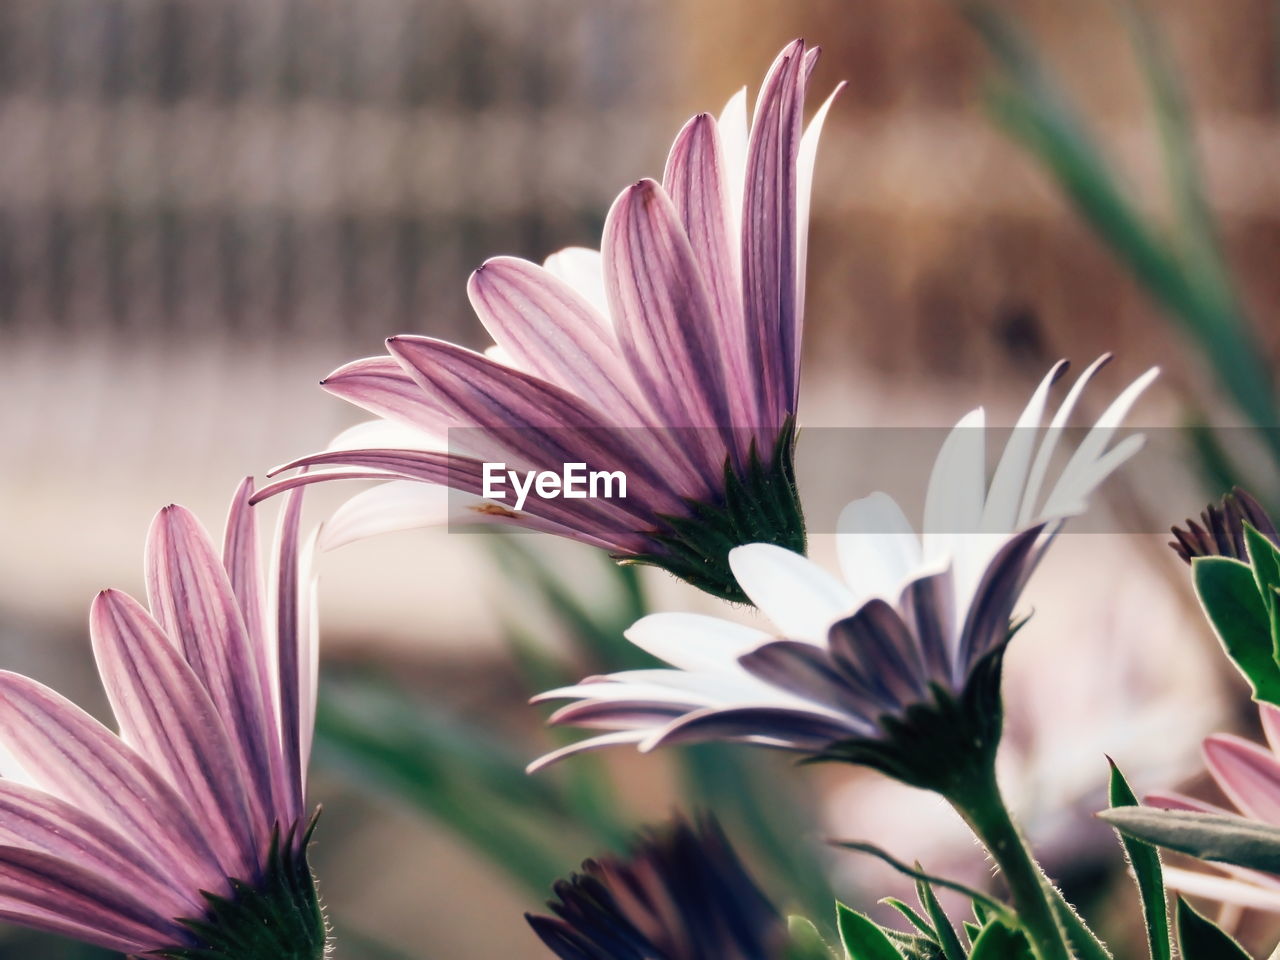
(915, 626)
(671, 355)
(1220, 532)
(1248, 774)
(682, 894)
(184, 835)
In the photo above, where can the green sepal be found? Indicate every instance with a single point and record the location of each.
(760, 504)
(1147, 873)
(1199, 938)
(276, 917)
(1236, 608)
(935, 745)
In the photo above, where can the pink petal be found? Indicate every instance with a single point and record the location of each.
(36, 820)
(297, 696)
(66, 752)
(697, 182)
(665, 322)
(770, 274)
(194, 601)
(1247, 773)
(165, 713)
(381, 386)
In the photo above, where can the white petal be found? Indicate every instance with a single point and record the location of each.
(582, 269)
(388, 507)
(1223, 889)
(801, 598)
(591, 743)
(957, 488)
(694, 641)
(661, 686)
(806, 159)
(1004, 496)
(877, 547)
(734, 137)
(387, 435)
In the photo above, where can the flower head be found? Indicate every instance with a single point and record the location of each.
(1220, 532)
(184, 835)
(672, 355)
(906, 646)
(682, 894)
(1249, 775)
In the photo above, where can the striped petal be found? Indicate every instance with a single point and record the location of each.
(192, 598)
(165, 713)
(1247, 773)
(293, 646)
(381, 386)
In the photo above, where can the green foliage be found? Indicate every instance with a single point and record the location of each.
(862, 937)
(806, 942)
(999, 942)
(1228, 591)
(1199, 938)
(1147, 873)
(1209, 836)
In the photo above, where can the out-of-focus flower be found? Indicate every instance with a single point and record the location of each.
(1220, 532)
(682, 894)
(1249, 775)
(916, 630)
(185, 835)
(671, 355)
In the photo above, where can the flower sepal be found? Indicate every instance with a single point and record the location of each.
(939, 744)
(761, 504)
(277, 917)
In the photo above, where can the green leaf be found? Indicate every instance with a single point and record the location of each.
(1230, 597)
(917, 921)
(862, 937)
(1199, 938)
(806, 942)
(1000, 942)
(1147, 872)
(995, 907)
(952, 949)
(1208, 836)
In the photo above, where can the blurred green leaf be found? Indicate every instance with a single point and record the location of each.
(1229, 594)
(862, 937)
(1199, 938)
(1208, 836)
(1147, 872)
(944, 932)
(1000, 942)
(806, 942)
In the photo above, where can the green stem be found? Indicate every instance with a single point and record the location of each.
(979, 802)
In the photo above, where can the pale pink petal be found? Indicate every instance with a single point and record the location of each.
(381, 386)
(291, 653)
(1270, 717)
(1223, 889)
(582, 269)
(165, 713)
(1247, 773)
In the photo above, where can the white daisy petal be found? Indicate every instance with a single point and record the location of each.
(795, 593)
(692, 641)
(957, 487)
(877, 548)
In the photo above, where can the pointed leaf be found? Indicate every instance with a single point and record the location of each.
(862, 938)
(947, 939)
(999, 942)
(1209, 836)
(806, 942)
(1147, 872)
(1199, 938)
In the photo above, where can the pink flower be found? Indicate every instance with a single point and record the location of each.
(672, 355)
(188, 827)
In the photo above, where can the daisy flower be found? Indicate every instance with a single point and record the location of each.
(904, 647)
(1220, 532)
(671, 355)
(183, 835)
(681, 894)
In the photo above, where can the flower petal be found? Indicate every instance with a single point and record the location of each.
(692, 641)
(809, 672)
(1004, 496)
(165, 713)
(875, 649)
(591, 743)
(801, 598)
(785, 727)
(583, 269)
(1247, 773)
(877, 548)
(381, 386)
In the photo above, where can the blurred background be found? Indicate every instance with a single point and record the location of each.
(206, 205)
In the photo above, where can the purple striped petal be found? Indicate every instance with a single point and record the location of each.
(785, 727)
(381, 386)
(537, 422)
(40, 890)
(665, 321)
(807, 671)
(618, 714)
(36, 820)
(69, 754)
(166, 714)
(297, 698)
(1247, 773)
(696, 181)
(987, 622)
(874, 648)
(928, 606)
(192, 598)
(769, 269)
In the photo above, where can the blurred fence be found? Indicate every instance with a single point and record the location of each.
(318, 167)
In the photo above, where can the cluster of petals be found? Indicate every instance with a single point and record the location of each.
(911, 613)
(668, 354)
(114, 838)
